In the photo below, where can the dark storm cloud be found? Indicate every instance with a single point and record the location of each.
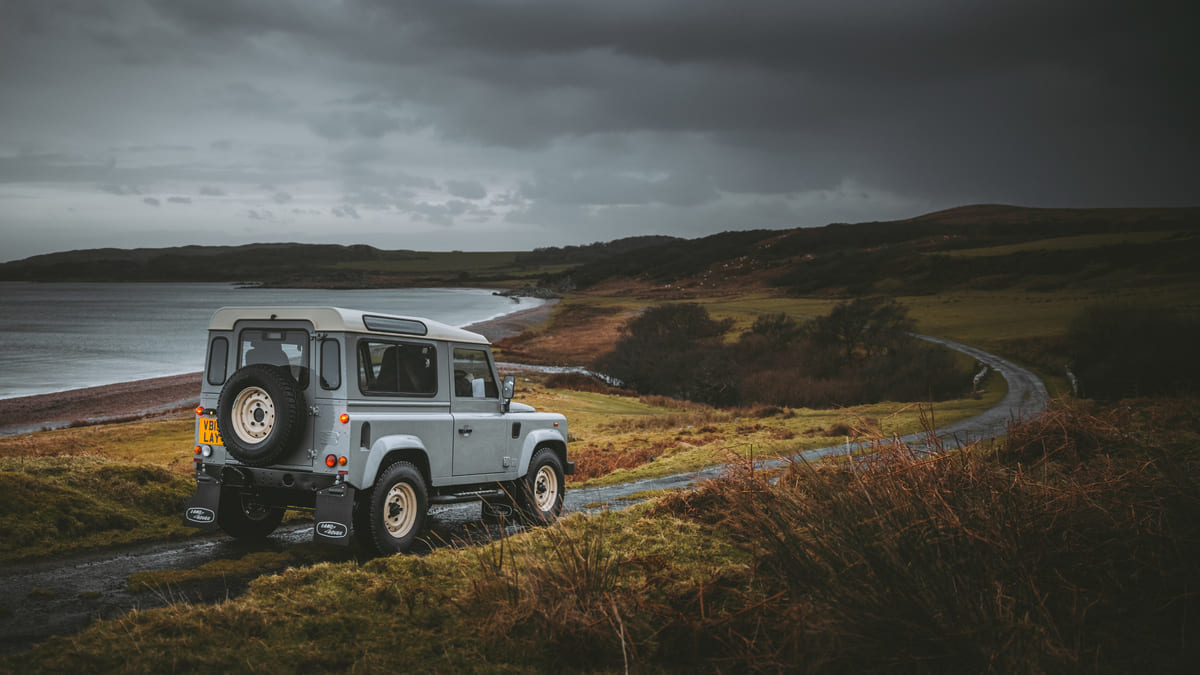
(939, 99)
(577, 119)
(152, 201)
(179, 200)
(1031, 100)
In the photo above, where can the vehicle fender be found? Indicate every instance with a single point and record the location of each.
(535, 438)
(383, 446)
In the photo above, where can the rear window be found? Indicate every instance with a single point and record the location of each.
(397, 368)
(218, 356)
(287, 348)
(331, 364)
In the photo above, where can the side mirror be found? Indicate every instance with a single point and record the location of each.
(510, 384)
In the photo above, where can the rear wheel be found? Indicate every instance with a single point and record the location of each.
(396, 508)
(241, 517)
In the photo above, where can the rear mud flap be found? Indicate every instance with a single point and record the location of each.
(334, 515)
(201, 510)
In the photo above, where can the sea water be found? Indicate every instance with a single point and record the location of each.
(59, 336)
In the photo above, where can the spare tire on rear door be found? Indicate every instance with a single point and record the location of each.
(261, 414)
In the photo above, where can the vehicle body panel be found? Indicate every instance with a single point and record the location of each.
(377, 389)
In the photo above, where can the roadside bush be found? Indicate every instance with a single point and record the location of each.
(861, 353)
(868, 327)
(971, 561)
(675, 350)
(913, 371)
(1119, 351)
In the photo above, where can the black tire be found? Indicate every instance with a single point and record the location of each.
(243, 518)
(543, 488)
(261, 414)
(397, 507)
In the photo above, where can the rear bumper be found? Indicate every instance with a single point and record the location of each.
(332, 501)
(280, 487)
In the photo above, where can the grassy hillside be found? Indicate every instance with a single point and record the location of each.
(1026, 249)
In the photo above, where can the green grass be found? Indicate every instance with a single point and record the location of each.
(66, 503)
(648, 441)
(468, 610)
(165, 442)
(230, 571)
(984, 319)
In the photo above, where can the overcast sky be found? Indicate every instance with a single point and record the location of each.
(476, 125)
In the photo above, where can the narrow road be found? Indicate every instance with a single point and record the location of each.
(1026, 397)
(61, 596)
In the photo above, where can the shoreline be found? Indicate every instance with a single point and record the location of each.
(173, 394)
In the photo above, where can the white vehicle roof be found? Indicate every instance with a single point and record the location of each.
(339, 319)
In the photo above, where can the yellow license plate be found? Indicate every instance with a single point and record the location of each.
(207, 432)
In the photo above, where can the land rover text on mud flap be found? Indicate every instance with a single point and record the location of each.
(367, 420)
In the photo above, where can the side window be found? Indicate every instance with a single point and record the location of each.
(277, 347)
(473, 374)
(331, 364)
(397, 368)
(218, 360)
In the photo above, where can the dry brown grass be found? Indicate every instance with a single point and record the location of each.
(576, 334)
(1070, 548)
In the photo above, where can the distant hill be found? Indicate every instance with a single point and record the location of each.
(292, 264)
(262, 263)
(980, 246)
(1035, 249)
(592, 252)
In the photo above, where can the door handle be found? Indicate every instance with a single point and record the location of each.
(465, 430)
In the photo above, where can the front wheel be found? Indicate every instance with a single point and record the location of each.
(243, 518)
(543, 488)
(397, 507)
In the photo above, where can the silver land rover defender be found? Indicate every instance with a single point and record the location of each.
(367, 420)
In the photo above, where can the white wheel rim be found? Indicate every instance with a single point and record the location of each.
(400, 510)
(253, 415)
(545, 488)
